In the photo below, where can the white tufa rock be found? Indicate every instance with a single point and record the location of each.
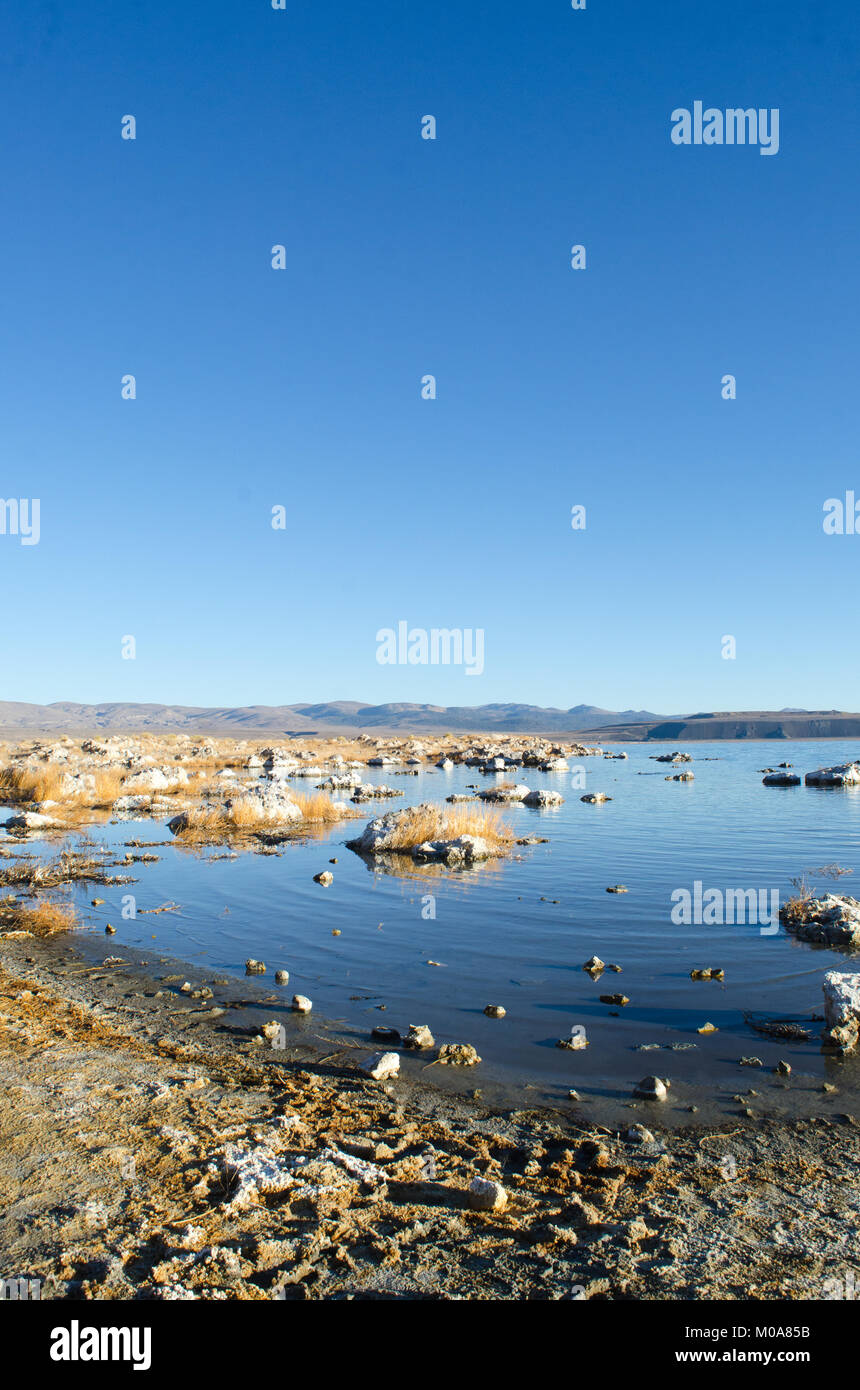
(842, 1009)
(381, 1066)
(843, 775)
(543, 798)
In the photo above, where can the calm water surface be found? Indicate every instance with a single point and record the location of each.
(516, 933)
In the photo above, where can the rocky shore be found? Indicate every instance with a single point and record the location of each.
(150, 1151)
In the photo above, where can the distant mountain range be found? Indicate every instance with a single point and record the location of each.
(337, 716)
(351, 717)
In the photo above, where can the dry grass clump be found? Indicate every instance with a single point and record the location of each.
(44, 918)
(21, 784)
(210, 824)
(422, 823)
(27, 784)
(319, 808)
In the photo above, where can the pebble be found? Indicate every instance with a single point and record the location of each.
(282, 977)
(419, 1035)
(651, 1088)
(255, 967)
(495, 1011)
(618, 999)
(638, 1134)
(109, 930)
(784, 1068)
(301, 1004)
(380, 1066)
(750, 1062)
(458, 1055)
(325, 878)
(485, 1195)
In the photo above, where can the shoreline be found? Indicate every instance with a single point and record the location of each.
(130, 1126)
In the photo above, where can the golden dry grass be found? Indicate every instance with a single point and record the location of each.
(205, 824)
(44, 918)
(422, 823)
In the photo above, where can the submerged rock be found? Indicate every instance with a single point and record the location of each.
(781, 779)
(595, 798)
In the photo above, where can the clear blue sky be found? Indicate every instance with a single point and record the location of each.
(301, 387)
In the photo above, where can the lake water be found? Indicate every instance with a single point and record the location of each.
(517, 932)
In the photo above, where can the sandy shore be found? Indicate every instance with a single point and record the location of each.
(152, 1149)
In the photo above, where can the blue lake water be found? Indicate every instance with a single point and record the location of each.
(517, 932)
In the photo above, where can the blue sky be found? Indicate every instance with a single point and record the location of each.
(301, 387)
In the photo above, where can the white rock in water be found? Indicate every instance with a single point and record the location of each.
(282, 977)
(485, 1195)
(131, 803)
(380, 1066)
(301, 1004)
(29, 820)
(595, 798)
(419, 1035)
(495, 1011)
(325, 878)
(833, 920)
(516, 792)
(543, 798)
(651, 1088)
(464, 849)
(843, 775)
(268, 801)
(842, 1009)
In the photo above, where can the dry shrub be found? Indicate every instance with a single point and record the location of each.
(44, 918)
(422, 823)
